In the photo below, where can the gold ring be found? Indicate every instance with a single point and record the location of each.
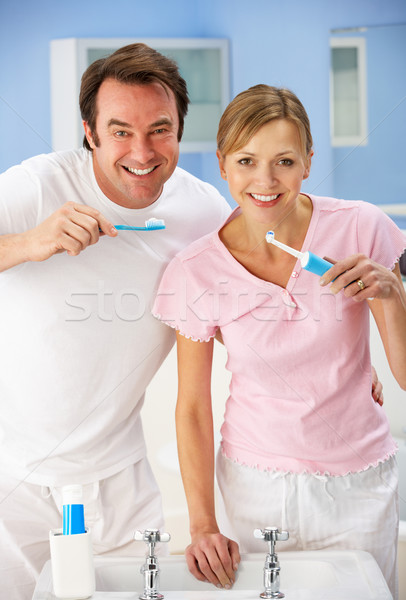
(361, 284)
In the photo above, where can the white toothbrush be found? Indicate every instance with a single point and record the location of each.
(309, 261)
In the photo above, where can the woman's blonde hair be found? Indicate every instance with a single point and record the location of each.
(255, 107)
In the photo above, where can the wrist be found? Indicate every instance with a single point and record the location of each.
(203, 527)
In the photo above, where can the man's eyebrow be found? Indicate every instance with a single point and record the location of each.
(163, 121)
(118, 122)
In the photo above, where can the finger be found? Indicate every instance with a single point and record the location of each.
(207, 569)
(102, 223)
(83, 227)
(220, 564)
(230, 557)
(377, 393)
(235, 554)
(374, 376)
(340, 273)
(193, 567)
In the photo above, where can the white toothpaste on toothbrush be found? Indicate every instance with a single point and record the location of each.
(309, 261)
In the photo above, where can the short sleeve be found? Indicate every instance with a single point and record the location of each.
(378, 236)
(184, 304)
(19, 199)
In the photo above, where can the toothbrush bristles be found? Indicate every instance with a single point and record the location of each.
(155, 223)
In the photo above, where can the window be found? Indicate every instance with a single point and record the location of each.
(348, 106)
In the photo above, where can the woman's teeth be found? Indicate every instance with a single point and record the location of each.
(264, 198)
(140, 171)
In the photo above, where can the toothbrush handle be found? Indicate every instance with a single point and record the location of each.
(313, 263)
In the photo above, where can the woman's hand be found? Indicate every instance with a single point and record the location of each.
(213, 557)
(360, 278)
(377, 388)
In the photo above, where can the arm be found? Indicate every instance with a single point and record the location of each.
(210, 556)
(386, 297)
(377, 388)
(70, 229)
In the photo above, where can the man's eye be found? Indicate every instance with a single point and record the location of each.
(120, 133)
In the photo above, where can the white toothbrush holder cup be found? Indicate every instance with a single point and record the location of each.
(72, 564)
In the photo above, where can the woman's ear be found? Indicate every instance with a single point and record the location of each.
(308, 165)
(221, 160)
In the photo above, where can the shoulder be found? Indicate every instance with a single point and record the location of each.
(69, 160)
(191, 182)
(350, 208)
(335, 205)
(197, 194)
(202, 249)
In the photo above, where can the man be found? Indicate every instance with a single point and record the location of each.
(78, 345)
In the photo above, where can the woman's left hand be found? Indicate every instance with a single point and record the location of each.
(377, 388)
(360, 278)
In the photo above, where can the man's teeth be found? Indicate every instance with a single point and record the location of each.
(140, 171)
(264, 198)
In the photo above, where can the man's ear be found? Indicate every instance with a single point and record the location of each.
(88, 134)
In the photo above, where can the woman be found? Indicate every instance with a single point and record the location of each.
(304, 446)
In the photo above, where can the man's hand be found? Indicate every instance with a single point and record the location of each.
(71, 229)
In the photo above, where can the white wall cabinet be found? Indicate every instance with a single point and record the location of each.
(203, 62)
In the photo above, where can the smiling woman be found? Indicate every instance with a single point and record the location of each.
(298, 403)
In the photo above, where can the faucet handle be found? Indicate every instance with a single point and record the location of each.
(151, 536)
(271, 534)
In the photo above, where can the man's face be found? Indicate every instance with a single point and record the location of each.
(137, 146)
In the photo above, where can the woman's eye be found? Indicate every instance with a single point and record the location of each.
(245, 161)
(286, 162)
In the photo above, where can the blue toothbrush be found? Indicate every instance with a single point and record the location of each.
(150, 225)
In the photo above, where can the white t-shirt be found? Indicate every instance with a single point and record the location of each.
(78, 343)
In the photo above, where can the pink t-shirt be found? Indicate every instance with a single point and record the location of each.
(300, 394)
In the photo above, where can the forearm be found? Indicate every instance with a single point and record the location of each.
(13, 250)
(390, 316)
(196, 459)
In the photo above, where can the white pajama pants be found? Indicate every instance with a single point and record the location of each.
(356, 511)
(114, 508)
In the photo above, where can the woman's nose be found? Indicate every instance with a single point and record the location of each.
(267, 176)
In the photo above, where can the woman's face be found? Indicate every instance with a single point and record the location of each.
(265, 176)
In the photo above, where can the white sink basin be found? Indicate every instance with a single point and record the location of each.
(319, 575)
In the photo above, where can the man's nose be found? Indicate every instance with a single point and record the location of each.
(142, 150)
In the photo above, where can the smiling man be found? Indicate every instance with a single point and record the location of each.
(135, 146)
(78, 344)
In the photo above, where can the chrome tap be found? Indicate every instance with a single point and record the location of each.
(150, 569)
(272, 567)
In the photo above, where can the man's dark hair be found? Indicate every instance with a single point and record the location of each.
(132, 64)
